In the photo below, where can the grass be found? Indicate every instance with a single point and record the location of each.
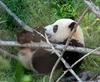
(91, 31)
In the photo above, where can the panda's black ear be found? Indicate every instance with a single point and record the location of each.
(72, 25)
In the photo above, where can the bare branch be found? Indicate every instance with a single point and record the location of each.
(91, 81)
(95, 9)
(2, 21)
(45, 45)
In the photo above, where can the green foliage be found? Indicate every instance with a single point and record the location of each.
(91, 63)
(19, 72)
(5, 70)
(97, 2)
(40, 13)
(64, 8)
(92, 30)
(92, 40)
(27, 78)
(4, 64)
(33, 12)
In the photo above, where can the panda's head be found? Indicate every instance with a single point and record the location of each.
(60, 30)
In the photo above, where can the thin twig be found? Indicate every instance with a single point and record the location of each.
(64, 62)
(77, 62)
(8, 54)
(3, 21)
(69, 39)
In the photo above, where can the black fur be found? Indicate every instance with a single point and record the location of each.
(72, 25)
(64, 42)
(55, 28)
(73, 42)
(71, 56)
(43, 61)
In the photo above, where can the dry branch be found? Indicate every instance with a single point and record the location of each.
(92, 81)
(95, 9)
(45, 45)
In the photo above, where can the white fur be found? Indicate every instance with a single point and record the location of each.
(25, 57)
(63, 31)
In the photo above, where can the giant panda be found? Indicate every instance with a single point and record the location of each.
(42, 60)
(58, 33)
(38, 60)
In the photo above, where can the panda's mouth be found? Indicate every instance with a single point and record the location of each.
(48, 35)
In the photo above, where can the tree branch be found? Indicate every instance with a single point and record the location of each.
(47, 46)
(95, 9)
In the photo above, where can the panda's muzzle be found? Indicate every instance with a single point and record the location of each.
(47, 32)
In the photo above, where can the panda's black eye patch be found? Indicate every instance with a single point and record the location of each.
(55, 28)
(72, 25)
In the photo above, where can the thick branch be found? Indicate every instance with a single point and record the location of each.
(19, 22)
(45, 45)
(95, 9)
